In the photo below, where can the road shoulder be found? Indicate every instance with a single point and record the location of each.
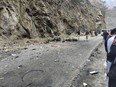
(95, 63)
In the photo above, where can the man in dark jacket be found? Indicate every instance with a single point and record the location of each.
(105, 35)
(108, 43)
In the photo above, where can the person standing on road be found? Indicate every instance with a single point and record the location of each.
(108, 43)
(78, 32)
(95, 33)
(87, 34)
(105, 35)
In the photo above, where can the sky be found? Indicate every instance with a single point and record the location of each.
(110, 3)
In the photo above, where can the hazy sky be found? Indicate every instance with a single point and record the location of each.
(110, 3)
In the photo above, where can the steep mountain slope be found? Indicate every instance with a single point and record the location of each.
(47, 18)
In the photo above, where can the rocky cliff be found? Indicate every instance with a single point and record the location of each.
(111, 18)
(47, 18)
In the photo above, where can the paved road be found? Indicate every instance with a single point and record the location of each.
(51, 65)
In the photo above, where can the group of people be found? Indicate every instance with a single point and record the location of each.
(87, 33)
(110, 40)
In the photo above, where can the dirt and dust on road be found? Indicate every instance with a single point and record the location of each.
(50, 65)
(93, 72)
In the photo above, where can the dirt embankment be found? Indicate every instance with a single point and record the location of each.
(93, 72)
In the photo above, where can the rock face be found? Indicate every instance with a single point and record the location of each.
(47, 18)
(110, 18)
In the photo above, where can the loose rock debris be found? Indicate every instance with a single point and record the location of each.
(84, 84)
(20, 66)
(93, 72)
(2, 78)
(15, 55)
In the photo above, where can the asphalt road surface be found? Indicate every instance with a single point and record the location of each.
(50, 65)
